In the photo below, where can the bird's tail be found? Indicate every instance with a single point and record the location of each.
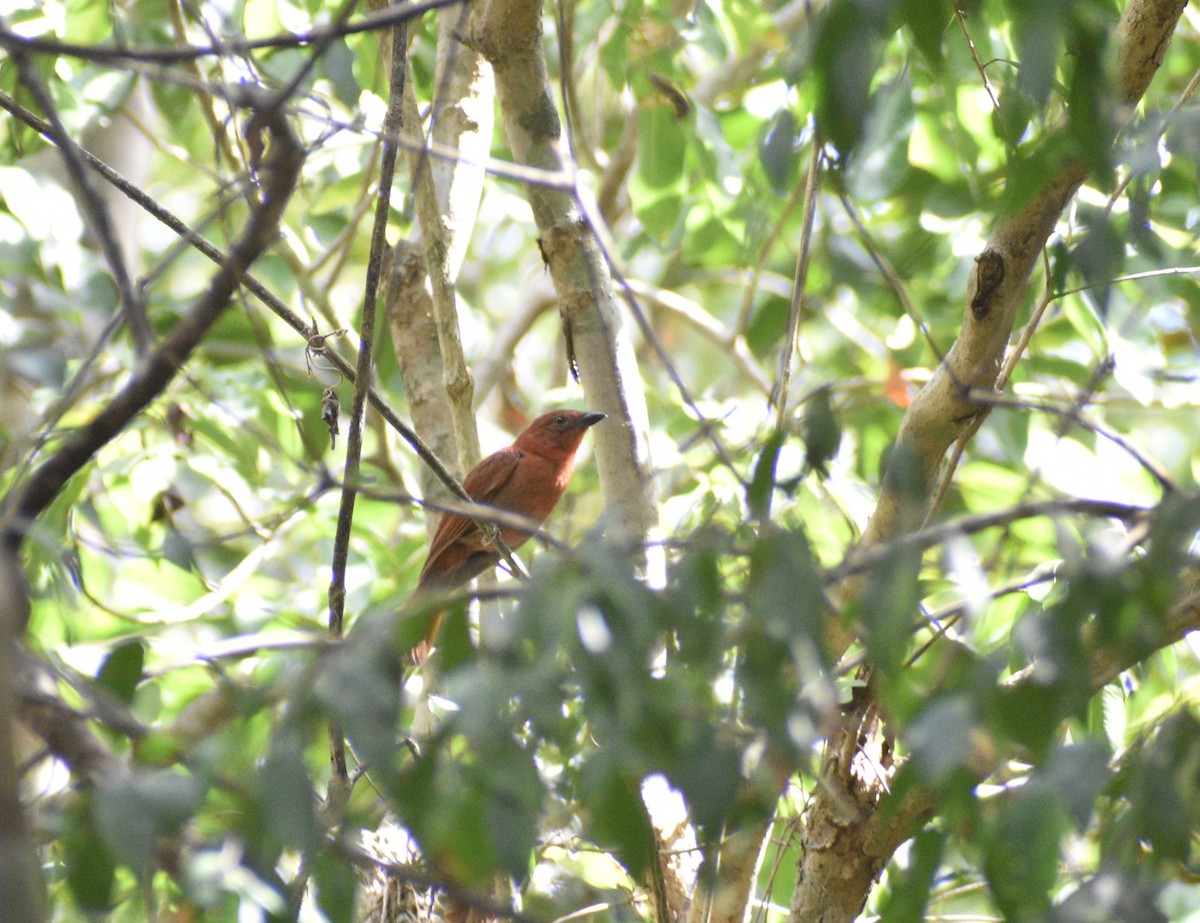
(442, 583)
(420, 651)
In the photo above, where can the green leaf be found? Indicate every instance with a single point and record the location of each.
(338, 65)
(1172, 531)
(661, 148)
(909, 895)
(122, 669)
(822, 432)
(762, 482)
(928, 25)
(942, 736)
(1099, 256)
(357, 688)
(89, 863)
(781, 643)
(1040, 28)
(880, 162)
(512, 789)
(1021, 854)
(1090, 100)
(661, 216)
(1057, 686)
(1077, 774)
(845, 62)
(1013, 115)
(614, 53)
(767, 325)
(614, 814)
(454, 638)
(177, 549)
(887, 610)
(132, 811)
(708, 773)
(1163, 788)
(779, 151)
(473, 803)
(785, 593)
(284, 795)
(696, 602)
(336, 882)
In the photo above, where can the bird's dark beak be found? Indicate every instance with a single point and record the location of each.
(591, 418)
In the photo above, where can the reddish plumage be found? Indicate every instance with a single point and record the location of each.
(528, 477)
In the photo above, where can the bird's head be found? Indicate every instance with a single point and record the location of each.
(559, 431)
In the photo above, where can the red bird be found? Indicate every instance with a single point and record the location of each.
(529, 477)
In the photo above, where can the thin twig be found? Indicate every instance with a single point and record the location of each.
(216, 127)
(1133, 277)
(594, 222)
(987, 85)
(890, 275)
(495, 516)
(784, 372)
(1071, 415)
(14, 43)
(698, 317)
(322, 43)
(764, 253)
(866, 558)
(393, 122)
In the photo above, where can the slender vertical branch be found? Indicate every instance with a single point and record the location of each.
(784, 375)
(437, 236)
(421, 301)
(393, 122)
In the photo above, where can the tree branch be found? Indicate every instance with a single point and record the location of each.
(436, 237)
(944, 407)
(888, 829)
(339, 783)
(462, 121)
(863, 560)
(15, 44)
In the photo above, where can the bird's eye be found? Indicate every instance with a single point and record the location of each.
(560, 420)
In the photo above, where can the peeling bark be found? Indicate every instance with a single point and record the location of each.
(430, 294)
(409, 304)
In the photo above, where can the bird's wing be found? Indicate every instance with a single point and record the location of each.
(482, 484)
